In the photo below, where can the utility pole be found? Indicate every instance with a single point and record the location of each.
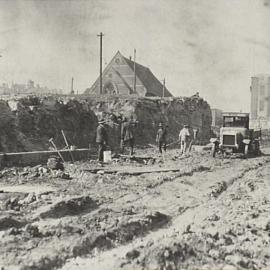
(163, 88)
(100, 63)
(72, 89)
(134, 81)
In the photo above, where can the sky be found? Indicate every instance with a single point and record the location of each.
(208, 46)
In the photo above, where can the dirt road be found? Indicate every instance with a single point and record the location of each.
(211, 214)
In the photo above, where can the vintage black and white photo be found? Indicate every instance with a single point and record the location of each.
(134, 134)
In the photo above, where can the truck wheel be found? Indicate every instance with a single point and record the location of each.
(213, 150)
(246, 151)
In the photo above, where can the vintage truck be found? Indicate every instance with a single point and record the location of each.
(236, 136)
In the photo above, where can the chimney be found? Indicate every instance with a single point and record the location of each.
(130, 58)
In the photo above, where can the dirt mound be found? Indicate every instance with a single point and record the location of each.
(149, 112)
(7, 129)
(26, 124)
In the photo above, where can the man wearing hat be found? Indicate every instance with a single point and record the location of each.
(101, 139)
(127, 135)
(161, 137)
(183, 138)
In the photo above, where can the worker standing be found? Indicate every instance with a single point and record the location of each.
(183, 138)
(101, 139)
(161, 138)
(127, 135)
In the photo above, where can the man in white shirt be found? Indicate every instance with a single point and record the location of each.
(183, 138)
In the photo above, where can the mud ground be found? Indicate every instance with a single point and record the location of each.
(209, 214)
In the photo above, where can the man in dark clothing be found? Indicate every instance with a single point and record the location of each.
(127, 135)
(161, 138)
(101, 139)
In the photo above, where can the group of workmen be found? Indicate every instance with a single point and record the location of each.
(128, 139)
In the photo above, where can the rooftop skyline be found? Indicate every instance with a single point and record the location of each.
(213, 47)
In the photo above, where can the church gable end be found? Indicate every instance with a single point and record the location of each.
(118, 78)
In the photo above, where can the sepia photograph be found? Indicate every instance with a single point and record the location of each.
(134, 134)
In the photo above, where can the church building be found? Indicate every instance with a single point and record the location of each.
(124, 77)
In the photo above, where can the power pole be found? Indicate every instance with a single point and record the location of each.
(100, 63)
(163, 88)
(134, 81)
(72, 89)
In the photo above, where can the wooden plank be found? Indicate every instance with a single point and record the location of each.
(132, 171)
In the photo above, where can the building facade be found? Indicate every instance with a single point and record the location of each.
(121, 75)
(216, 118)
(260, 97)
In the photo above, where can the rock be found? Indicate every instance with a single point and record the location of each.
(228, 240)
(133, 254)
(12, 203)
(43, 170)
(214, 253)
(14, 231)
(166, 254)
(233, 259)
(214, 217)
(65, 176)
(218, 188)
(32, 230)
(267, 226)
(31, 197)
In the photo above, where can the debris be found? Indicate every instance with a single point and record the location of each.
(31, 197)
(133, 254)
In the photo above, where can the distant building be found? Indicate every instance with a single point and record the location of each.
(216, 118)
(260, 97)
(118, 79)
(28, 88)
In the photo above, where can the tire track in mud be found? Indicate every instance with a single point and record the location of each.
(113, 237)
(123, 233)
(179, 225)
(109, 237)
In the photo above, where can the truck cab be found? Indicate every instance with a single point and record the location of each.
(235, 135)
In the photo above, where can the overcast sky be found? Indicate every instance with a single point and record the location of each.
(209, 46)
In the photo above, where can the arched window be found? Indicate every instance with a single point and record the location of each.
(109, 88)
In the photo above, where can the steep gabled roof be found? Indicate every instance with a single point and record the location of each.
(151, 83)
(89, 90)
